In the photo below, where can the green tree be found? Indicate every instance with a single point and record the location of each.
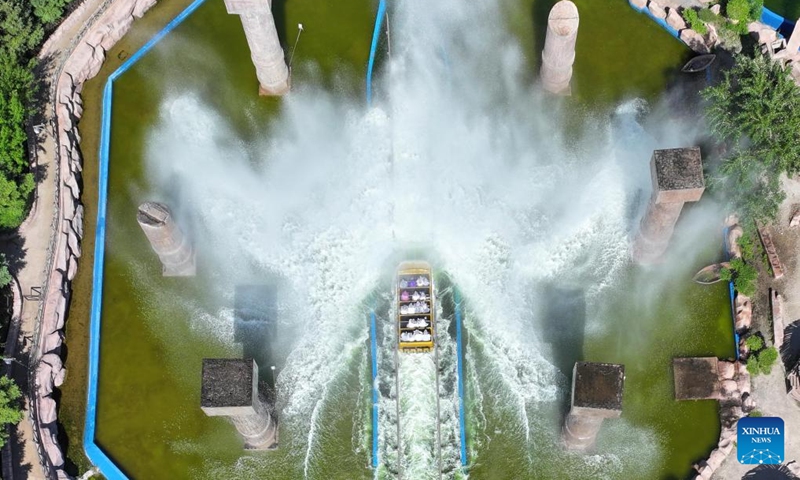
(752, 365)
(692, 18)
(5, 275)
(754, 343)
(10, 410)
(744, 11)
(767, 359)
(48, 10)
(755, 111)
(743, 275)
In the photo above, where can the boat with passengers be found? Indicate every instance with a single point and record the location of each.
(415, 307)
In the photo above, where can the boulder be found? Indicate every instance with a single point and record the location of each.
(716, 9)
(52, 448)
(729, 388)
(715, 459)
(675, 20)
(656, 9)
(694, 40)
(47, 410)
(74, 243)
(638, 4)
(726, 370)
(142, 6)
(72, 267)
(733, 241)
(44, 379)
(52, 342)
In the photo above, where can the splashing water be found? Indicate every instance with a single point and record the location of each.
(463, 158)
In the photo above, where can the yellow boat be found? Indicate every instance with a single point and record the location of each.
(415, 307)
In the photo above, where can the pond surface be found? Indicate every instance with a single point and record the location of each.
(557, 293)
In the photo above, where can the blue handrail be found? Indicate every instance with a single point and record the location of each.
(459, 356)
(374, 351)
(376, 33)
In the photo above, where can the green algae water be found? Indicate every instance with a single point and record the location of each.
(156, 330)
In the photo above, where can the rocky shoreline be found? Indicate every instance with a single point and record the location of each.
(111, 22)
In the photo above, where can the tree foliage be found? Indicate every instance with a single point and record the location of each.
(754, 343)
(10, 409)
(743, 275)
(755, 111)
(744, 11)
(48, 10)
(767, 359)
(21, 32)
(5, 275)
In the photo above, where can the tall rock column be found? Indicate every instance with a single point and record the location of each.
(230, 389)
(559, 47)
(265, 48)
(167, 240)
(677, 176)
(596, 395)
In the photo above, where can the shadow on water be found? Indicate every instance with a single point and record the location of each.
(540, 10)
(255, 314)
(562, 325)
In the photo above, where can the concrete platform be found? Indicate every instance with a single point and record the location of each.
(696, 378)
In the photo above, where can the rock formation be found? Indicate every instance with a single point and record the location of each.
(559, 47)
(677, 176)
(167, 240)
(230, 389)
(265, 47)
(72, 69)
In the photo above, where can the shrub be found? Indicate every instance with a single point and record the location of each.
(754, 343)
(744, 11)
(690, 15)
(743, 275)
(767, 359)
(752, 365)
(755, 413)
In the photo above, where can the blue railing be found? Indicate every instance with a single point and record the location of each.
(376, 33)
(460, 357)
(373, 346)
(96, 455)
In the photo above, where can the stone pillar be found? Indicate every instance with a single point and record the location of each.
(559, 47)
(265, 48)
(167, 240)
(677, 176)
(230, 389)
(596, 395)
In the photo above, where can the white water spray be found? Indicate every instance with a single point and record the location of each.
(482, 176)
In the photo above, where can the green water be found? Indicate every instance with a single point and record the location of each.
(788, 9)
(148, 416)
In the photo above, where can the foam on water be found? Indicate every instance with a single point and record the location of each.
(463, 157)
